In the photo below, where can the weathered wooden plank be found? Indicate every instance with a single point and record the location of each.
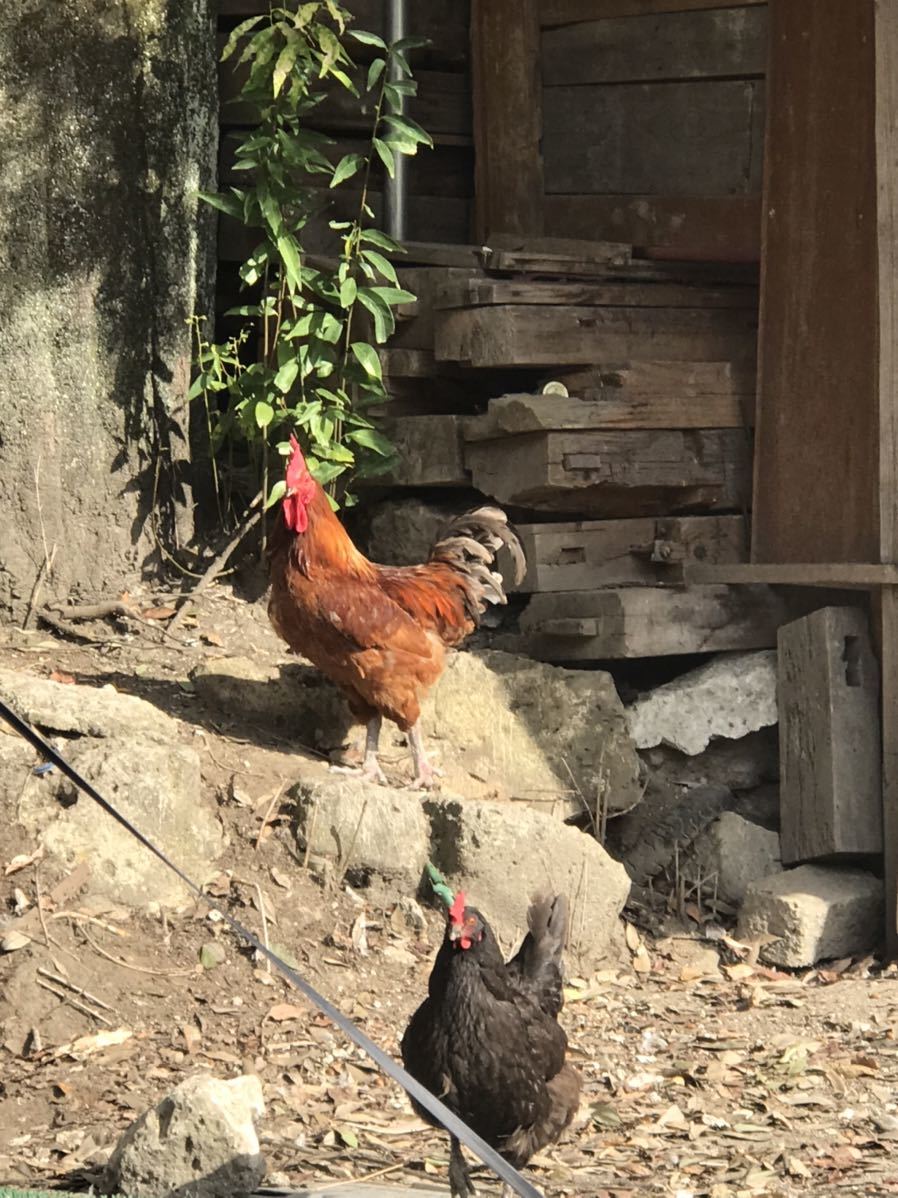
(817, 456)
(672, 139)
(564, 12)
(538, 335)
(430, 452)
(717, 43)
(589, 259)
(829, 735)
(688, 379)
(612, 409)
(833, 576)
(615, 473)
(886, 139)
(415, 326)
(648, 622)
(719, 228)
(480, 292)
(589, 554)
(508, 118)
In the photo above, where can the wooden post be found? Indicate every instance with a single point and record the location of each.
(830, 748)
(507, 90)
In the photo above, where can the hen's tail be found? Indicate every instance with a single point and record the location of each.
(538, 961)
(469, 544)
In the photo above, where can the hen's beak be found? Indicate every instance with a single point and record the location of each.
(456, 931)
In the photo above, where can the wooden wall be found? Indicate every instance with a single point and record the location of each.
(441, 181)
(649, 122)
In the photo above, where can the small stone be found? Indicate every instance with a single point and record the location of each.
(816, 912)
(730, 696)
(738, 852)
(200, 1141)
(212, 954)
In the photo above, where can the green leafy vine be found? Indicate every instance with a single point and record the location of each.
(317, 322)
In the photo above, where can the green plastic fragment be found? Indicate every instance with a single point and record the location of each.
(439, 885)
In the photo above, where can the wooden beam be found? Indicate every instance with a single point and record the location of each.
(886, 132)
(817, 453)
(565, 12)
(611, 408)
(887, 612)
(829, 736)
(850, 575)
(716, 229)
(508, 177)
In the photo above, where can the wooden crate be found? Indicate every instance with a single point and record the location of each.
(587, 554)
(603, 625)
(616, 473)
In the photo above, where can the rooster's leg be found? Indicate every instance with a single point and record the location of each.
(371, 766)
(460, 1184)
(425, 775)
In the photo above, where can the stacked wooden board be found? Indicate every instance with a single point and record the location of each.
(607, 402)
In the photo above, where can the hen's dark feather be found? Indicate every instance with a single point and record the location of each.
(486, 1038)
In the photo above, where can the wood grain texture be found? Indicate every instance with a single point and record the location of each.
(597, 553)
(563, 12)
(479, 292)
(615, 473)
(722, 228)
(508, 118)
(817, 438)
(545, 335)
(648, 622)
(694, 45)
(886, 133)
(614, 408)
(672, 139)
(829, 735)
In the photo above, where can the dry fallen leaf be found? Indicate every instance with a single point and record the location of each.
(283, 1011)
(634, 940)
(23, 860)
(59, 676)
(642, 962)
(739, 972)
(159, 613)
(86, 1046)
(13, 940)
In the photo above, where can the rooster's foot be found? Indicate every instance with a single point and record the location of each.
(427, 778)
(460, 1184)
(370, 771)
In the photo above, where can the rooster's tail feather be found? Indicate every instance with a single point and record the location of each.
(469, 544)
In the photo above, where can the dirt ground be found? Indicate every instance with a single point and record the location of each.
(704, 1074)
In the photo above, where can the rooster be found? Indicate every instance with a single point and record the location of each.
(380, 632)
(487, 1040)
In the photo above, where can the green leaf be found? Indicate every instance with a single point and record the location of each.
(386, 156)
(382, 264)
(375, 237)
(264, 413)
(374, 72)
(289, 252)
(280, 487)
(286, 376)
(236, 34)
(370, 438)
(384, 321)
(394, 295)
(410, 43)
(367, 357)
(285, 63)
(368, 39)
(232, 204)
(408, 128)
(348, 291)
(348, 165)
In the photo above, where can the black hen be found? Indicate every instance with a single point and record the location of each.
(486, 1039)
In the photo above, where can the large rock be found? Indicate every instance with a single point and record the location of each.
(88, 710)
(157, 786)
(499, 726)
(364, 828)
(199, 1142)
(665, 825)
(730, 696)
(508, 727)
(500, 855)
(742, 764)
(106, 252)
(815, 913)
(400, 532)
(736, 852)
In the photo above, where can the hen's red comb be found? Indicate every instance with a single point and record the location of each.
(457, 910)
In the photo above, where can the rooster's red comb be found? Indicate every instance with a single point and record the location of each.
(457, 910)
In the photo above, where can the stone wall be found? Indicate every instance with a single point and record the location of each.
(107, 131)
